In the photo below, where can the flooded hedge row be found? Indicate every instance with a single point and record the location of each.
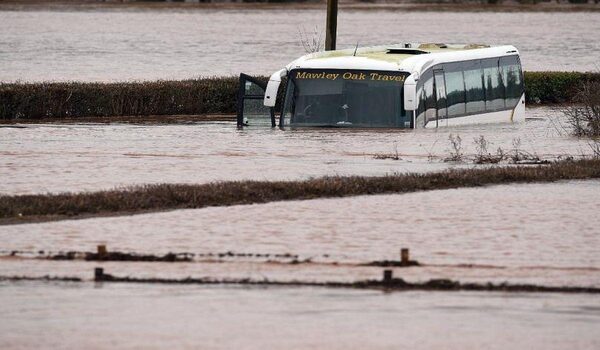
(76, 99)
(149, 198)
(200, 96)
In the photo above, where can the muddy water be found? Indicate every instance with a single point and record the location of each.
(134, 316)
(142, 45)
(158, 317)
(538, 233)
(58, 158)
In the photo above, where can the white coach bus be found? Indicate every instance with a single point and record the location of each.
(401, 86)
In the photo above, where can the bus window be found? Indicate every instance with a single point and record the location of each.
(455, 90)
(511, 74)
(430, 113)
(440, 93)
(494, 88)
(474, 87)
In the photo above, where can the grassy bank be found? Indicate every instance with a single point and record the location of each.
(195, 97)
(140, 199)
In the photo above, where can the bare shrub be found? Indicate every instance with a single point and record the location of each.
(517, 155)
(483, 156)
(584, 115)
(456, 154)
(430, 155)
(394, 156)
(311, 42)
(595, 147)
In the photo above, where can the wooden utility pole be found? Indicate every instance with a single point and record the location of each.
(331, 30)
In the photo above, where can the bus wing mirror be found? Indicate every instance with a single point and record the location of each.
(410, 94)
(273, 87)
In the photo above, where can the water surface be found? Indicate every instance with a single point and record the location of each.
(58, 158)
(157, 317)
(115, 45)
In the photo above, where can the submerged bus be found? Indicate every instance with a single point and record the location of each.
(400, 86)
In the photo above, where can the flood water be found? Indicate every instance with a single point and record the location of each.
(537, 233)
(544, 234)
(58, 158)
(131, 316)
(123, 45)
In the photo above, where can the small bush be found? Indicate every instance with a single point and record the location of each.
(584, 116)
(456, 154)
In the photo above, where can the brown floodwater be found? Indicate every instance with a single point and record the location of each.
(137, 44)
(190, 317)
(85, 157)
(544, 234)
(536, 233)
(528, 233)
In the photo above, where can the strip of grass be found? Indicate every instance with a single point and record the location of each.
(73, 100)
(148, 198)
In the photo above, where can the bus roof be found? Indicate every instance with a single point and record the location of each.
(412, 57)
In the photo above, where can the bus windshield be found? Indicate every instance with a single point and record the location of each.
(359, 98)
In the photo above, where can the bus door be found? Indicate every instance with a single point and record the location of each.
(440, 97)
(250, 109)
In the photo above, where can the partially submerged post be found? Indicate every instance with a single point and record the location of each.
(101, 251)
(387, 276)
(404, 256)
(331, 30)
(98, 274)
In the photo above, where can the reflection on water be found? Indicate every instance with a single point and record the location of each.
(142, 45)
(141, 316)
(55, 158)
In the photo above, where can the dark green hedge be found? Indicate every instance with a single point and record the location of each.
(72, 99)
(555, 87)
(201, 96)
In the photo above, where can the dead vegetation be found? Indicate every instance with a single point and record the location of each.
(392, 284)
(160, 197)
(584, 115)
(311, 42)
(456, 153)
(393, 156)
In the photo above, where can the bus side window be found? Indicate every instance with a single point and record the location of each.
(455, 89)
(474, 87)
(430, 106)
(420, 115)
(511, 73)
(494, 88)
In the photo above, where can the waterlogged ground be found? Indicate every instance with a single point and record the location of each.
(58, 158)
(114, 45)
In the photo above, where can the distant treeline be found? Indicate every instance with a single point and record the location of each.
(198, 96)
